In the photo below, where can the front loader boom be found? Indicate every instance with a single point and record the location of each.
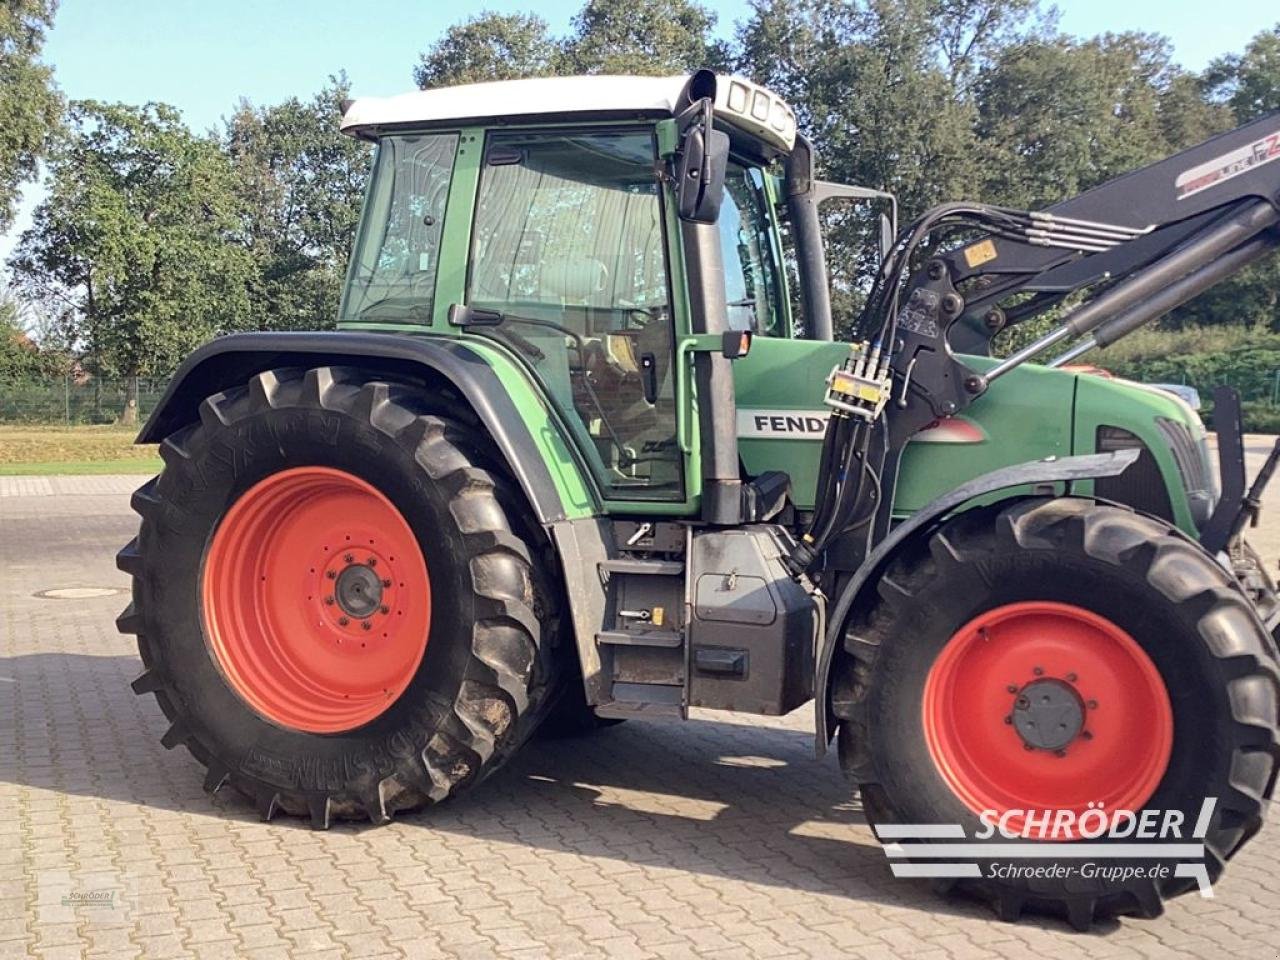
(1171, 230)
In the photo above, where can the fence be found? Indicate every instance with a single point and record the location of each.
(74, 400)
(88, 400)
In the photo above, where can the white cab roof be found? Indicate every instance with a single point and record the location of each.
(738, 101)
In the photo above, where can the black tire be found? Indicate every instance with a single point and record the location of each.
(1180, 606)
(489, 665)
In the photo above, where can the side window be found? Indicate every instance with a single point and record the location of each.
(568, 247)
(751, 278)
(393, 266)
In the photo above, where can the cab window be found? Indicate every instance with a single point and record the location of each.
(751, 277)
(392, 276)
(568, 247)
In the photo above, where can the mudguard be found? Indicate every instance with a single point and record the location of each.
(232, 360)
(1051, 470)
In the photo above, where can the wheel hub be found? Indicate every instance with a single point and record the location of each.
(358, 591)
(1048, 714)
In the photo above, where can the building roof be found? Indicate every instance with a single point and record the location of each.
(738, 101)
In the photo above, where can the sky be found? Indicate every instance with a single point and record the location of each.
(203, 57)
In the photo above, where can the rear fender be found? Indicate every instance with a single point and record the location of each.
(861, 588)
(537, 454)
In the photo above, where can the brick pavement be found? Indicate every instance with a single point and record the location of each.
(719, 838)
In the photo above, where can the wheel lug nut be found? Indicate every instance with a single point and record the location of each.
(1093, 704)
(384, 609)
(1072, 678)
(1086, 735)
(343, 621)
(366, 625)
(372, 561)
(387, 582)
(1027, 746)
(1038, 671)
(329, 601)
(1008, 719)
(332, 575)
(348, 558)
(1059, 753)
(1012, 688)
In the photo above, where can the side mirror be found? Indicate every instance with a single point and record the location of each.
(887, 236)
(700, 170)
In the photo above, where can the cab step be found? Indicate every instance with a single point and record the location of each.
(643, 700)
(641, 638)
(640, 565)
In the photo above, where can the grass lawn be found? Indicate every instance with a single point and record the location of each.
(39, 449)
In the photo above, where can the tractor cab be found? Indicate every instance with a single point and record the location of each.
(552, 217)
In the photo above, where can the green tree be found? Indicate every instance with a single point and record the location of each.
(645, 37)
(1058, 115)
(22, 360)
(135, 241)
(301, 183)
(653, 37)
(29, 101)
(1249, 83)
(489, 46)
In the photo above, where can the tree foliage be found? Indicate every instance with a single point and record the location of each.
(135, 243)
(641, 37)
(29, 101)
(300, 183)
(489, 46)
(645, 37)
(21, 358)
(1249, 83)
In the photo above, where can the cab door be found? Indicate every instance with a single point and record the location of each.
(568, 246)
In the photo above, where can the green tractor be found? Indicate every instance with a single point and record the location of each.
(573, 456)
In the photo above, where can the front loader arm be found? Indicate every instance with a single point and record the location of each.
(1112, 230)
(1138, 246)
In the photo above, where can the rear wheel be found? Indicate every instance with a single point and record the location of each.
(335, 597)
(1062, 656)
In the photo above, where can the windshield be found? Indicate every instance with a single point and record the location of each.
(393, 267)
(751, 273)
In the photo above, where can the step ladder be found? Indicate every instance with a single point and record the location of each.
(642, 647)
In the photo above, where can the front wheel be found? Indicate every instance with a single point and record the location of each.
(1032, 671)
(335, 596)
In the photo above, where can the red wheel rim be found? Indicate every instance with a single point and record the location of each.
(1047, 707)
(316, 600)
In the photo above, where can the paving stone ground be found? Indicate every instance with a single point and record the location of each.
(719, 838)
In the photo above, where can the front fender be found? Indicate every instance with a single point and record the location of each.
(1051, 470)
(536, 452)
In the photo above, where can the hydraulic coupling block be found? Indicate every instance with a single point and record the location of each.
(861, 385)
